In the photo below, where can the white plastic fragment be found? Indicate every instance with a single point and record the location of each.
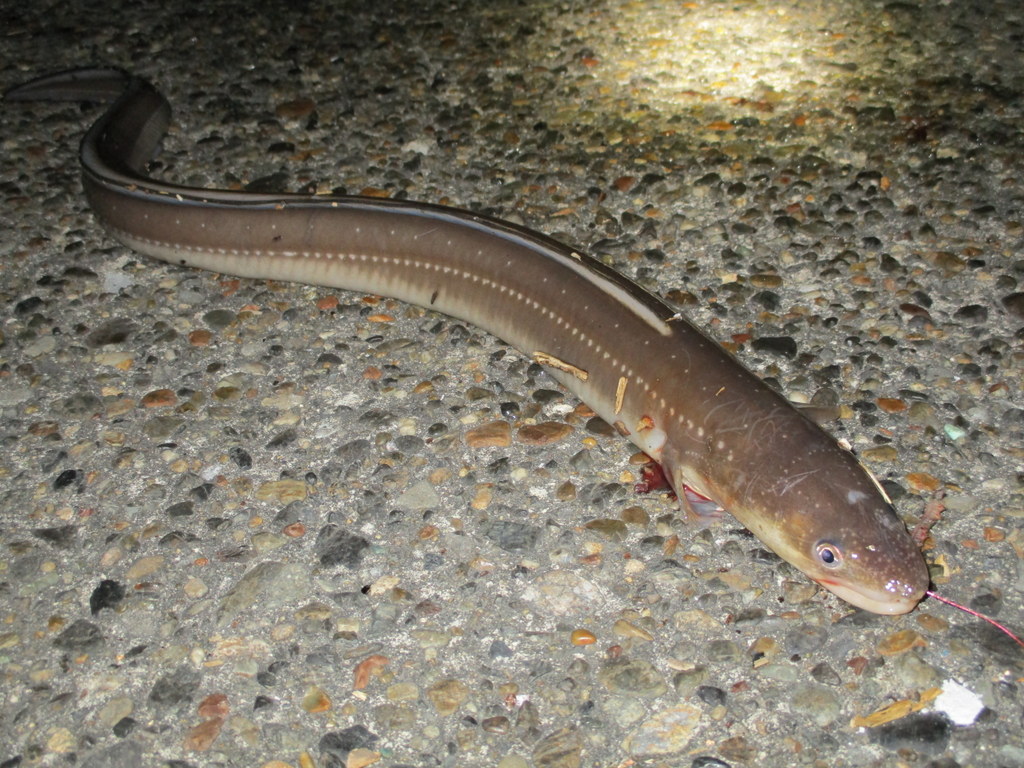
(960, 704)
(419, 146)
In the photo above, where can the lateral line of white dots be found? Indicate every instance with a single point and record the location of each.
(407, 262)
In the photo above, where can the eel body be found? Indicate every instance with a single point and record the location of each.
(670, 389)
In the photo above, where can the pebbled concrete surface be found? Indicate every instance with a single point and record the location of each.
(251, 524)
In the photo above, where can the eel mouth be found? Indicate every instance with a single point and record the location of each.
(888, 601)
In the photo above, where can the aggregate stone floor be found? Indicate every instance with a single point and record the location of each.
(258, 524)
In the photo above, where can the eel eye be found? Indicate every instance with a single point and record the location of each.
(829, 554)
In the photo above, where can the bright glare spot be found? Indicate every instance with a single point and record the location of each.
(746, 54)
(731, 52)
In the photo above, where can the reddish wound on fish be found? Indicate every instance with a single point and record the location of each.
(652, 478)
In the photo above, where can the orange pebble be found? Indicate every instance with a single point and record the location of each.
(583, 637)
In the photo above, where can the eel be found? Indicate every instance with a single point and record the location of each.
(669, 388)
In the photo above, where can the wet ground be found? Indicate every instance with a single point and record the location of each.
(249, 523)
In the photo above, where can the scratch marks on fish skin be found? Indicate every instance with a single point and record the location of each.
(732, 407)
(739, 419)
(791, 481)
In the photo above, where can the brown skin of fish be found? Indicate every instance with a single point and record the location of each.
(669, 388)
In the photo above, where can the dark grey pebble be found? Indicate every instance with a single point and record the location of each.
(768, 299)
(704, 761)
(248, 589)
(478, 393)
(749, 616)
(62, 537)
(202, 492)
(353, 451)
(28, 306)
(510, 535)
(162, 427)
(498, 724)
(928, 733)
(296, 511)
(218, 319)
(79, 273)
(124, 727)
(761, 555)
(69, 478)
(270, 677)
(240, 456)
(283, 438)
(114, 331)
(510, 410)
(805, 639)
(337, 546)
(409, 444)
(783, 346)
(175, 688)
(653, 544)
(972, 313)
(107, 595)
(598, 426)
(181, 509)
(599, 495)
(633, 677)
(545, 396)
(582, 462)
(500, 467)
(1014, 304)
(376, 418)
(823, 673)
(124, 754)
(688, 680)
(987, 602)
(337, 744)
(527, 727)
(51, 459)
(670, 573)
(79, 636)
(724, 651)
(499, 649)
(609, 529)
(711, 695)
(559, 749)
(178, 539)
(274, 183)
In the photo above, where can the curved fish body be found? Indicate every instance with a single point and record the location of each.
(670, 389)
